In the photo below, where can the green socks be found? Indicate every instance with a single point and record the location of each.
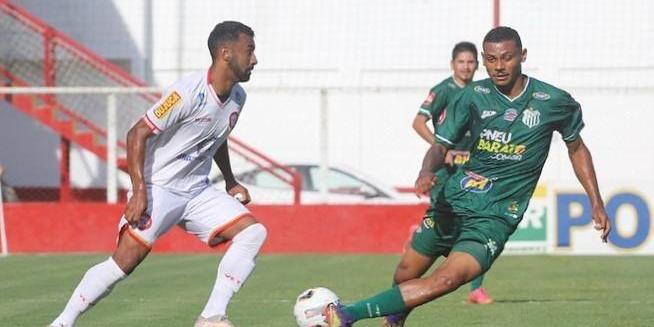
(476, 283)
(383, 304)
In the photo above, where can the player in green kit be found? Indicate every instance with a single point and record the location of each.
(464, 64)
(512, 118)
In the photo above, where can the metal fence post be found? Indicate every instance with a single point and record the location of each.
(112, 173)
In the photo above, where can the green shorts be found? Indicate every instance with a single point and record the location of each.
(441, 233)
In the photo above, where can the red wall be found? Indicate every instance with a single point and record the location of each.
(92, 227)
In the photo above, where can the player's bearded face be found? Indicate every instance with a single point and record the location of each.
(503, 61)
(243, 60)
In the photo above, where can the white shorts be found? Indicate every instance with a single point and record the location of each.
(205, 215)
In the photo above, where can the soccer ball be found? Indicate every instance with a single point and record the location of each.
(310, 305)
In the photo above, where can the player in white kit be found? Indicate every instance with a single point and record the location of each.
(169, 154)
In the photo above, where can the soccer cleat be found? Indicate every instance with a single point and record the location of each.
(479, 296)
(335, 317)
(396, 320)
(215, 321)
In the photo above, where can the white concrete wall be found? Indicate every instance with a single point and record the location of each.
(597, 50)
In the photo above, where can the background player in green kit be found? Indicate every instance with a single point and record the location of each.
(512, 118)
(464, 64)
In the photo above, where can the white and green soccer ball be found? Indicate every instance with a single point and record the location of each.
(310, 305)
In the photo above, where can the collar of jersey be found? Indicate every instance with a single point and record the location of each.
(519, 95)
(457, 83)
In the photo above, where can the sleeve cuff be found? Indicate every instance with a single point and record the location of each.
(444, 141)
(424, 112)
(574, 135)
(153, 127)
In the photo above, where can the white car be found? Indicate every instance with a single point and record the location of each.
(345, 186)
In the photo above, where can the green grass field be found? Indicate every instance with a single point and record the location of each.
(170, 290)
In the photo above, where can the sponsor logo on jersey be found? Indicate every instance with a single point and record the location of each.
(475, 183)
(540, 96)
(488, 113)
(497, 136)
(430, 98)
(502, 157)
(167, 105)
(190, 158)
(442, 116)
(481, 89)
(203, 120)
(510, 114)
(460, 158)
(233, 118)
(531, 117)
(498, 143)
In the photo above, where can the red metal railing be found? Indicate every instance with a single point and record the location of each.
(55, 44)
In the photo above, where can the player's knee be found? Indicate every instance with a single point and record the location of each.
(129, 255)
(446, 282)
(402, 272)
(252, 236)
(126, 263)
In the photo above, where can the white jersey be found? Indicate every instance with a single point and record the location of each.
(190, 123)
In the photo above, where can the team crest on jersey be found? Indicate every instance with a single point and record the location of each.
(481, 89)
(475, 183)
(430, 98)
(510, 114)
(542, 96)
(233, 118)
(531, 117)
(145, 222)
(167, 105)
(442, 116)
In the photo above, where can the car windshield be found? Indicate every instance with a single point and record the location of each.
(338, 181)
(263, 179)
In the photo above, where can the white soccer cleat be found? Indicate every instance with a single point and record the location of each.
(215, 321)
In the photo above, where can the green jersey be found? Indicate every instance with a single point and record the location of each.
(434, 108)
(511, 142)
(438, 98)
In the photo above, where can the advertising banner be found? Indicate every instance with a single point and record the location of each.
(629, 209)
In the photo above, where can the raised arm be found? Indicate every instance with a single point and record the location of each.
(231, 185)
(136, 138)
(582, 163)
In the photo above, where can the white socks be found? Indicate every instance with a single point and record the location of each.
(234, 268)
(95, 285)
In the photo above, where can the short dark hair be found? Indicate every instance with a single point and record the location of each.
(464, 47)
(503, 33)
(227, 31)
